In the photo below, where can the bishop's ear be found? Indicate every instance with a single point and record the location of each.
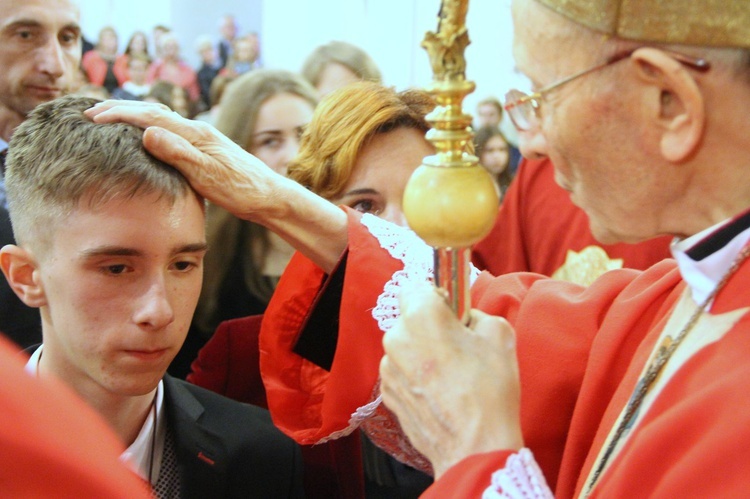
(19, 267)
(679, 111)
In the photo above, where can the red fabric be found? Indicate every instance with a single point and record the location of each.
(52, 444)
(576, 375)
(121, 68)
(229, 365)
(557, 361)
(185, 77)
(468, 476)
(96, 68)
(693, 440)
(307, 402)
(538, 223)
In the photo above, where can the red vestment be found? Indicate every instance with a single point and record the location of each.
(576, 375)
(53, 444)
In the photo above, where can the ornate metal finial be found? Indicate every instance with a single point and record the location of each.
(450, 201)
(446, 47)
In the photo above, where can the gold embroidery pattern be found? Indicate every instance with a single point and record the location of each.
(585, 266)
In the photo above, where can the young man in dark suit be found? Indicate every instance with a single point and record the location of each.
(110, 249)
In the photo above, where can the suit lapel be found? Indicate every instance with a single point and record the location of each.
(201, 453)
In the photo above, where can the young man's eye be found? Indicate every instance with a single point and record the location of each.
(184, 266)
(116, 269)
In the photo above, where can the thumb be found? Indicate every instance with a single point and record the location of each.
(492, 326)
(172, 149)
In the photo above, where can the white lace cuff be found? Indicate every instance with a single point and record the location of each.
(418, 260)
(521, 478)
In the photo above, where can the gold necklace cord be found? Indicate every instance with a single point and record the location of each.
(663, 355)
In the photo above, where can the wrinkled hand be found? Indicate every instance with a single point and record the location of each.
(215, 166)
(455, 390)
(228, 176)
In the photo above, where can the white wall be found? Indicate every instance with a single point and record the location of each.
(188, 18)
(389, 30)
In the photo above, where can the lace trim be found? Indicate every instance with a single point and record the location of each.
(359, 417)
(520, 478)
(384, 431)
(418, 260)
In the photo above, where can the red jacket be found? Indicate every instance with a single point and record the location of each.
(96, 68)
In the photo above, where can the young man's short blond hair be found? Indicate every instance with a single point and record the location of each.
(59, 158)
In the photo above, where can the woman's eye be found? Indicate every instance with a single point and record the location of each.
(366, 206)
(24, 34)
(271, 143)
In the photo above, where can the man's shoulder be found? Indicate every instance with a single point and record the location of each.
(214, 405)
(243, 428)
(219, 440)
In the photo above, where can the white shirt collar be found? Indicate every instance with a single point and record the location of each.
(138, 456)
(702, 276)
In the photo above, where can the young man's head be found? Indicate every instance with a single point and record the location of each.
(110, 248)
(40, 51)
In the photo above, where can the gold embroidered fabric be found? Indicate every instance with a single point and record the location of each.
(715, 23)
(585, 266)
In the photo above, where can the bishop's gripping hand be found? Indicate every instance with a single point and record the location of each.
(454, 389)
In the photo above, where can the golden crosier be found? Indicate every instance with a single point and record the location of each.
(450, 201)
(451, 207)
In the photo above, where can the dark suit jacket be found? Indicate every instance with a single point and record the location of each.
(229, 364)
(228, 449)
(20, 323)
(225, 49)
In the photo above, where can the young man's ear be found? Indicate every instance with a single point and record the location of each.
(19, 267)
(680, 110)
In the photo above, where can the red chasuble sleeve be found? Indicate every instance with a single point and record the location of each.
(692, 442)
(309, 402)
(469, 477)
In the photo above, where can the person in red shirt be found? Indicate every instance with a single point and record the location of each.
(171, 68)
